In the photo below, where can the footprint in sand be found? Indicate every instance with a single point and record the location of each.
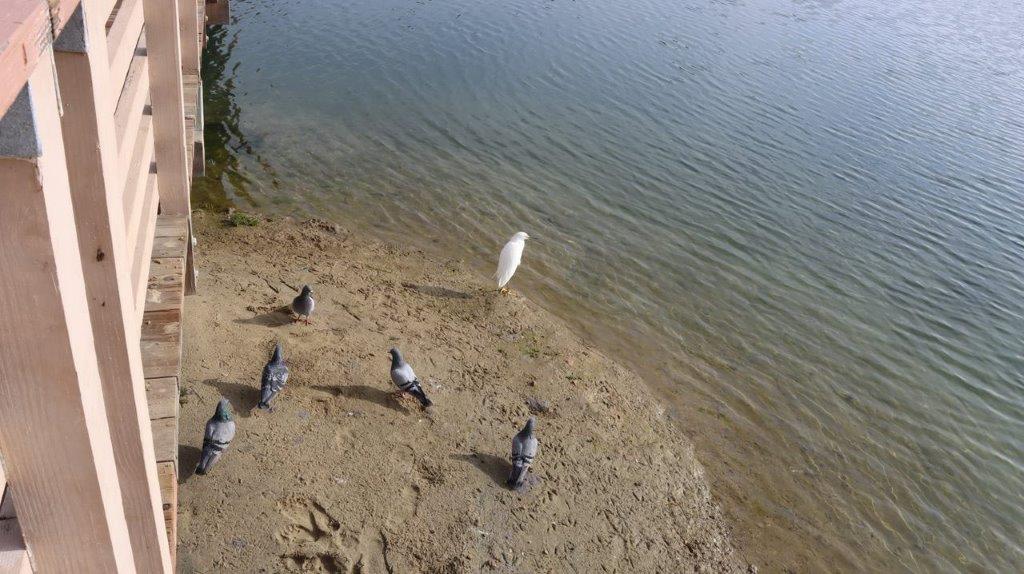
(325, 562)
(309, 522)
(316, 541)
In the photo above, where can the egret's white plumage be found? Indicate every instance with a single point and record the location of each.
(510, 257)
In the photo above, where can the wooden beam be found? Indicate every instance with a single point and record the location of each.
(24, 35)
(122, 40)
(188, 23)
(54, 431)
(90, 146)
(133, 194)
(163, 46)
(144, 246)
(131, 106)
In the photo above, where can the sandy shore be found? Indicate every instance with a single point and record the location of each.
(343, 478)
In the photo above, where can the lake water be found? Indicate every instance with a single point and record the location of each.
(801, 220)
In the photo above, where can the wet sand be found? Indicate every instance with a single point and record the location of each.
(342, 477)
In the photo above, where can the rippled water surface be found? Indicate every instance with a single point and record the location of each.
(802, 221)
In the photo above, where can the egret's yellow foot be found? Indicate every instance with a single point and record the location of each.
(504, 290)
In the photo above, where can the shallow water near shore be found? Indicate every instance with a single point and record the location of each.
(800, 221)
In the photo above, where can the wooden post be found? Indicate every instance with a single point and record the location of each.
(90, 146)
(168, 100)
(188, 23)
(53, 423)
(163, 45)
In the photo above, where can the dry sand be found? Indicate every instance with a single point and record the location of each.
(341, 477)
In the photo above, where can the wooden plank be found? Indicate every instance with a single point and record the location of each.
(201, 27)
(24, 35)
(123, 40)
(190, 89)
(50, 389)
(169, 494)
(188, 24)
(131, 106)
(165, 439)
(162, 326)
(166, 287)
(161, 358)
(133, 194)
(164, 52)
(162, 394)
(217, 13)
(199, 160)
(161, 343)
(144, 245)
(172, 226)
(173, 246)
(113, 14)
(106, 261)
(190, 142)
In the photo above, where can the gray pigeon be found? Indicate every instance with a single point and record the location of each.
(220, 429)
(405, 379)
(275, 375)
(303, 304)
(524, 448)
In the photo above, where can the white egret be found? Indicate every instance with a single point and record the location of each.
(509, 259)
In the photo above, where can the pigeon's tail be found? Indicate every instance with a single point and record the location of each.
(518, 474)
(263, 406)
(207, 461)
(211, 454)
(417, 391)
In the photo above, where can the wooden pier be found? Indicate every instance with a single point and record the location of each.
(100, 135)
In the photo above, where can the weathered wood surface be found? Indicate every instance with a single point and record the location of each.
(161, 343)
(217, 12)
(170, 246)
(50, 387)
(165, 439)
(162, 394)
(165, 284)
(169, 494)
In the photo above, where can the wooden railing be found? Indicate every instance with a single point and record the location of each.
(94, 145)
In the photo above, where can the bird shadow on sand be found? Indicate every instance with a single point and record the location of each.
(365, 393)
(243, 397)
(188, 458)
(436, 291)
(274, 318)
(494, 467)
